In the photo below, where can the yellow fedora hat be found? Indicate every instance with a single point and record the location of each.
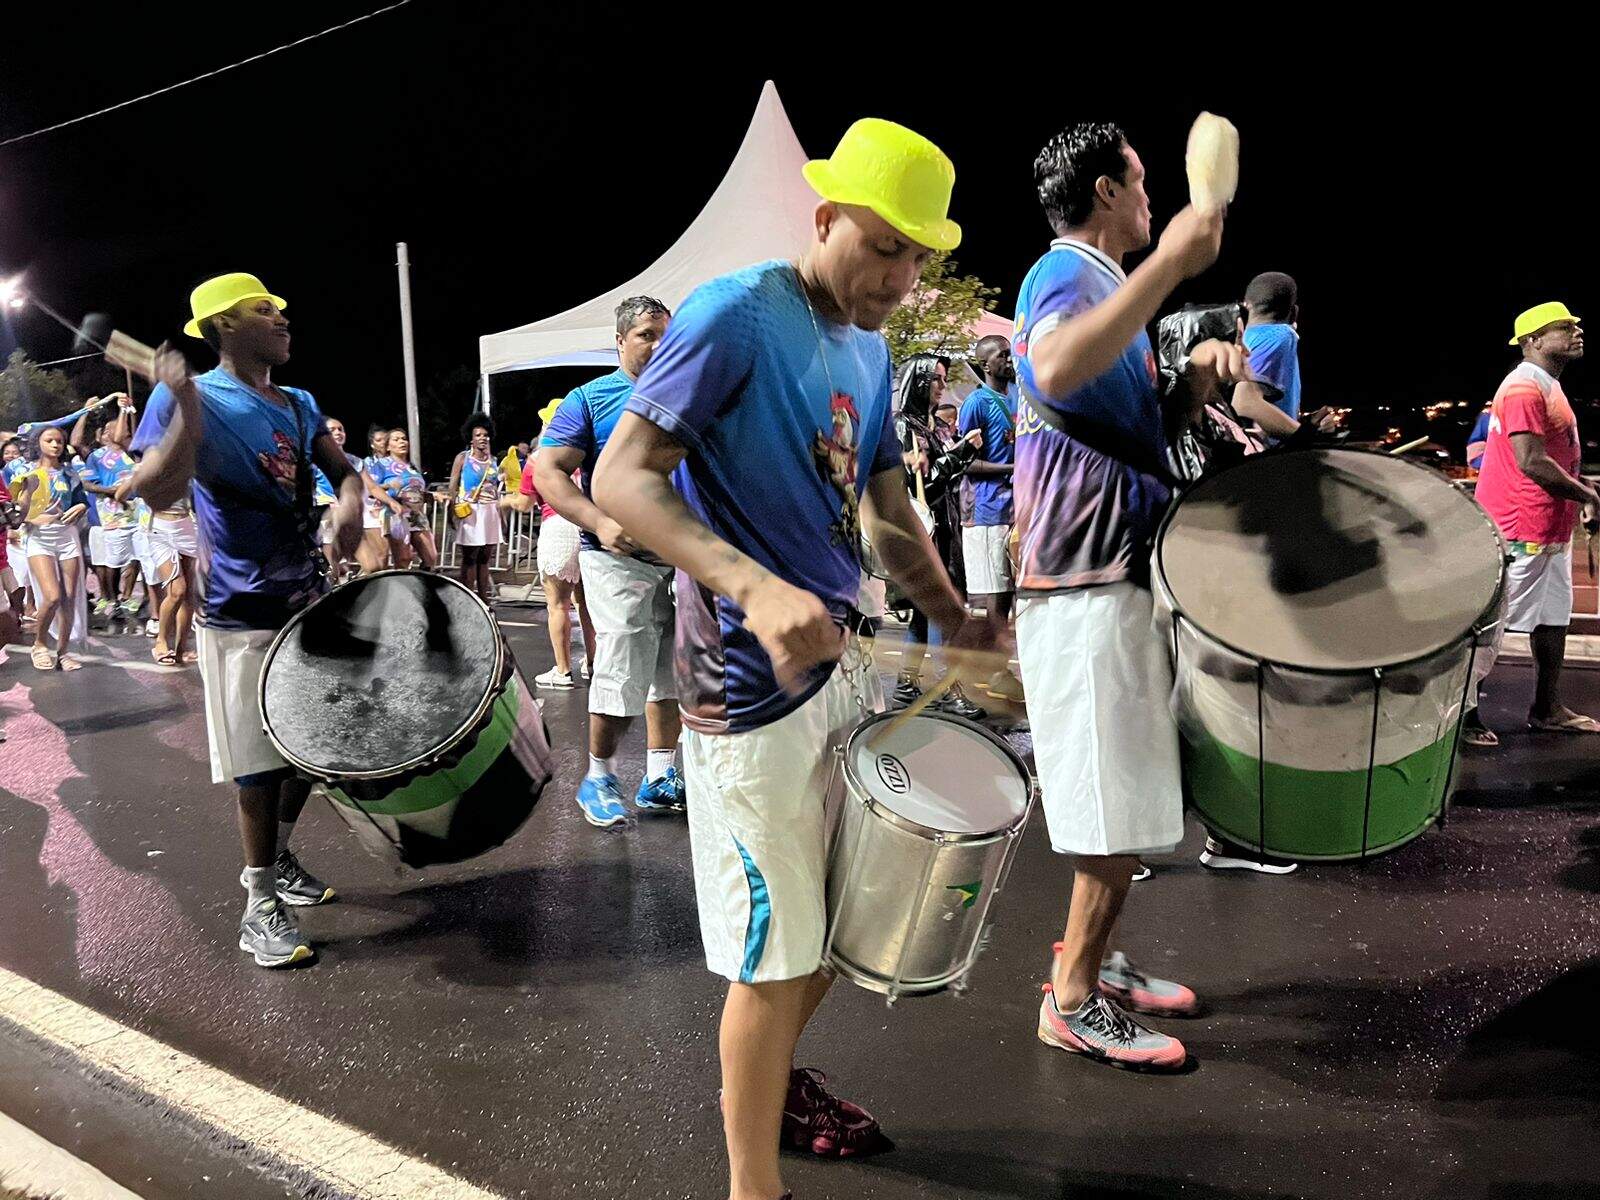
(898, 174)
(1537, 317)
(221, 293)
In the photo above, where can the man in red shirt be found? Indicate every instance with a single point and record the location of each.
(1530, 485)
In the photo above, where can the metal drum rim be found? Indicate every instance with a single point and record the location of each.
(1482, 622)
(927, 832)
(498, 680)
(875, 982)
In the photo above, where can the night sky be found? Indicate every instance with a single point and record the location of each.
(532, 161)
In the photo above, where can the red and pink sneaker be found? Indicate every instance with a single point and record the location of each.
(1102, 1031)
(1137, 992)
(818, 1122)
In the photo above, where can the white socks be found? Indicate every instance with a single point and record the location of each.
(658, 763)
(261, 883)
(601, 766)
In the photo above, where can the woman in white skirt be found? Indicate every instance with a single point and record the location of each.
(149, 568)
(53, 503)
(403, 482)
(475, 487)
(383, 536)
(13, 466)
(175, 548)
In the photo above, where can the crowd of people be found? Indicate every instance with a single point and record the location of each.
(731, 513)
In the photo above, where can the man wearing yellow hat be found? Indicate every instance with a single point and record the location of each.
(770, 399)
(1530, 484)
(248, 445)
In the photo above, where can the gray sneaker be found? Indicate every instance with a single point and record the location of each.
(296, 885)
(1098, 1029)
(269, 934)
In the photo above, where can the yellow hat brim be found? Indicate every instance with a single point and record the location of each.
(193, 327)
(942, 234)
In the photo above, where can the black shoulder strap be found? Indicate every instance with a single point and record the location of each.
(1103, 439)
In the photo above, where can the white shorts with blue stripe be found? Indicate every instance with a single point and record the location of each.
(758, 831)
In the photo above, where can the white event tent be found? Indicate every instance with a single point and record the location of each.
(761, 209)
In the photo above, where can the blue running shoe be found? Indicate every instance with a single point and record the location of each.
(601, 801)
(662, 795)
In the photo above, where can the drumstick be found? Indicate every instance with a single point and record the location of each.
(1411, 445)
(130, 354)
(918, 706)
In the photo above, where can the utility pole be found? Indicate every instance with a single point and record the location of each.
(408, 348)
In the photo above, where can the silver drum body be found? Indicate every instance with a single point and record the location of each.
(926, 822)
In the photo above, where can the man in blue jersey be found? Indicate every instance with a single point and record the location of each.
(111, 539)
(755, 449)
(628, 589)
(986, 542)
(248, 446)
(1091, 486)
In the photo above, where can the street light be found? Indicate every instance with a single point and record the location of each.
(11, 293)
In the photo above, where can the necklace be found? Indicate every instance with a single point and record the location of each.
(816, 329)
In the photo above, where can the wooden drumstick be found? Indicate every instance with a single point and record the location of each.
(918, 706)
(131, 354)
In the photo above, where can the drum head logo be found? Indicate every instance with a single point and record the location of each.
(894, 774)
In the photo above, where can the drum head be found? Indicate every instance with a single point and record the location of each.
(1330, 559)
(380, 675)
(944, 775)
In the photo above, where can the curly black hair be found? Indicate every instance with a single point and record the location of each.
(1070, 164)
(478, 420)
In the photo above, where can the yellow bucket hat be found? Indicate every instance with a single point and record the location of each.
(222, 293)
(898, 174)
(1537, 317)
(549, 410)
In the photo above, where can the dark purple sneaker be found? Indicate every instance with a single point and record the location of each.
(818, 1122)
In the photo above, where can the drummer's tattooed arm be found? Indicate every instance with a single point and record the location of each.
(164, 473)
(907, 552)
(632, 485)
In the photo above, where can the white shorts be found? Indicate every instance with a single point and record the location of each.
(53, 541)
(149, 568)
(16, 552)
(630, 604)
(171, 537)
(1099, 688)
(558, 549)
(758, 835)
(110, 547)
(482, 528)
(372, 518)
(1539, 589)
(986, 549)
(230, 668)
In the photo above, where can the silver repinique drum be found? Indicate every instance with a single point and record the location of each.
(928, 819)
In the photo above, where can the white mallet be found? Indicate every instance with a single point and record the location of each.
(1212, 162)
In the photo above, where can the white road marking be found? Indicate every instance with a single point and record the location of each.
(42, 1168)
(341, 1158)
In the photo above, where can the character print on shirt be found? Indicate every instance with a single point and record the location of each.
(835, 455)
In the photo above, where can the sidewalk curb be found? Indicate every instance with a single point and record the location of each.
(31, 1164)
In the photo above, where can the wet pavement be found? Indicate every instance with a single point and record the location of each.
(540, 1022)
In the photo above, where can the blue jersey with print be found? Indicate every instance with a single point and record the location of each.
(996, 415)
(1086, 516)
(258, 553)
(1275, 362)
(106, 467)
(15, 470)
(322, 492)
(584, 421)
(402, 481)
(480, 481)
(1478, 440)
(784, 421)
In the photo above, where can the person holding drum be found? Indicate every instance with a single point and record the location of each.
(475, 504)
(1091, 485)
(247, 444)
(1531, 487)
(756, 447)
(629, 590)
